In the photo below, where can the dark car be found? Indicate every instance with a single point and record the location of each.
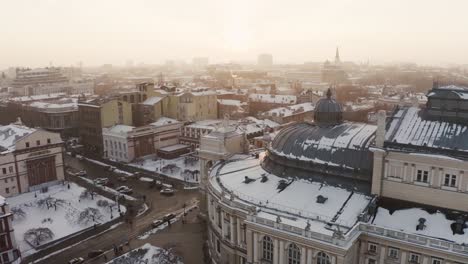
(95, 253)
(168, 217)
(157, 223)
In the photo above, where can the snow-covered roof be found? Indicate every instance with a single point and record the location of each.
(152, 100)
(290, 110)
(164, 121)
(297, 202)
(37, 97)
(71, 103)
(264, 122)
(121, 129)
(406, 220)
(2, 200)
(10, 134)
(410, 126)
(230, 102)
(174, 147)
(345, 145)
(273, 99)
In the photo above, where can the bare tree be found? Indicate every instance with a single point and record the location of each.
(38, 235)
(50, 202)
(89, 215)
(18, 213)
(86, 194)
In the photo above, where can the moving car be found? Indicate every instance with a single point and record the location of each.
(76, 261)
(167, 191)
(95, 253)
(81, 173)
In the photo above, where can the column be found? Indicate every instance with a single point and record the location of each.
(310, 256)
(386, 169)
(403, 258)
(231, 220)
(223, 225)
(275, 251)
(413, 171)
(248, 240)
(432, 177)
(238, 231)
(281, 252)
(460, 180)
(425, 260)
(405, 172)
(303, 255)
(382, 254)
(255, 248)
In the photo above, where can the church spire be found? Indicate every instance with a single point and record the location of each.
(337, 56)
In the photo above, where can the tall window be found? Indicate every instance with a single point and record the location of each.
(323, 258)
(393, 253)
(422, 176)
(267, 249)
(414, 258)
(294, 254)
(450, 180)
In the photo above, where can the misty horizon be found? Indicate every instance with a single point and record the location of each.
(36, 33)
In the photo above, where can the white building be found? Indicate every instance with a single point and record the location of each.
(334, 192)
(30, 159)
(126, 143)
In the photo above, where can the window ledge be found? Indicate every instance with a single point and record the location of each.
(425, 184)
(449, 188)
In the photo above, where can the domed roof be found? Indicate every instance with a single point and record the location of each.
(328, 110)
(319, 148)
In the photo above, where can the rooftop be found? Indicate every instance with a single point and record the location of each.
(295, 200)
(273, 99)
(152, 100)
(121, 129)
(290, 110)
(410, 127)
(10, 134)
(164, 121)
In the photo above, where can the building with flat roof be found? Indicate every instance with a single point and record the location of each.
(9, 252)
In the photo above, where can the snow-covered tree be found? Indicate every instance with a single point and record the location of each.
(50, 202)
(38, 235)
(18, 213)
(89, 214)
(87, 194)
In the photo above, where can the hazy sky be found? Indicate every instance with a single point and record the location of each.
(35, 32)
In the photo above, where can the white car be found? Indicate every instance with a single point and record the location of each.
(76, 261)
(167, 191)
(81, 173)
(124, 190)
(101, 181)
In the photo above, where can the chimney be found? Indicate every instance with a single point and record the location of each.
(381, 123)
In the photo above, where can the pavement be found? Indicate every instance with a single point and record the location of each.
(187, 239)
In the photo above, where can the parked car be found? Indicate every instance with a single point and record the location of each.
(157, 223)
(95, 253)
(124, 190)
(167, 191)
(76, 261)
(79, 157)
(101, 181)
(81, 173)
(111, 168)
(168, 217)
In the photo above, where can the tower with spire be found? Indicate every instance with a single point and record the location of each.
(337, 56)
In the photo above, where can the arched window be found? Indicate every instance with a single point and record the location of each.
(323, 258)
(294, 254)
(267, 249)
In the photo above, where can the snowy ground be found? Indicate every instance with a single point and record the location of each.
(147, 254)
(68, 218)
(162, 166)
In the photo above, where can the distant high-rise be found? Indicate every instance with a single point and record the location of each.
(265, 60)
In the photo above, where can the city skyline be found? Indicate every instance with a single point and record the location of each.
(66, 32)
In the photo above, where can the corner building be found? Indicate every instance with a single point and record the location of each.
(310, 198)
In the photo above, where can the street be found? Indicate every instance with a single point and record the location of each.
(187, 239)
